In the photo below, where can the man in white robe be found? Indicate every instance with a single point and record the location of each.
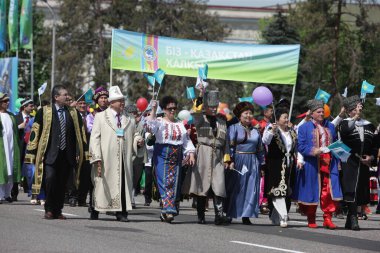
(9, 150)
(113, 142)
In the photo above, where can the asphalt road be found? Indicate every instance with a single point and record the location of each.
(22, 229)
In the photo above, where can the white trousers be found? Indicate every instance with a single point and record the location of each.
(279, 211)
(5, 189)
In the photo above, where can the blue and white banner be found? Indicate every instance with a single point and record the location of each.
(8, 80)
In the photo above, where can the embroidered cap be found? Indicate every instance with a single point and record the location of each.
(350, 103)
(26, 102)
(3, 97)
(100, 91)
(314, 104)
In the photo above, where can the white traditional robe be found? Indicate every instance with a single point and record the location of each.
(7, 132)
(111, 150)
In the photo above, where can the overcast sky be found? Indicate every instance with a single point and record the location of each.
(247, 3)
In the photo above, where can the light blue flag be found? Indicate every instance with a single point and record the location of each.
(151, 79)
(159, 76)
(367, 87)
(3, 23)
(340, 150)
(246, 99)
(190, 93)
(203, 72)
(322, 95)
(88, 96)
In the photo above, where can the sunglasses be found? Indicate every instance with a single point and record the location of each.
(171, 108)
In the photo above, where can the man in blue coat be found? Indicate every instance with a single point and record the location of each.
(318, 180)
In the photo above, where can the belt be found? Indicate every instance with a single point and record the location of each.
(246, 152)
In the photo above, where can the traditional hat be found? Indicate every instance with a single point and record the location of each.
(211, 98)
(350, 103)
(131, 109)
(241, 107)
(3, 97)
(26, 102)
(314, 104)
(115, 94)
(100, 91)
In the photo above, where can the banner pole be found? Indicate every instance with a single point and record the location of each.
(39, 98)
(292, 102)
(83, 94)
(32, 74)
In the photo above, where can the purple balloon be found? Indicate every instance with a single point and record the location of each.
(262, 96)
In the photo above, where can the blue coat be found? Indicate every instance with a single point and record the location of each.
(307, 188)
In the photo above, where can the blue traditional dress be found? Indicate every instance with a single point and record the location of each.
(172, 143)
(243, 183)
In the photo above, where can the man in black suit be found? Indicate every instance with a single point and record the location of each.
(22, 120)
(57, 145)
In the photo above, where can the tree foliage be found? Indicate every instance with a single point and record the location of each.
(339, 48)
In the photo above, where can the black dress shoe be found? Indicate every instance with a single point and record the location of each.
(73, 202)
(94, 215)
(146, 204)
(61, 217)
(122, 217)
(246, 221)
(49, 216)
(14, 198)
(9, 199)
(201, 219)
(221, 220)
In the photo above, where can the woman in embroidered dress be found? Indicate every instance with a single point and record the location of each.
(281, 143)
(243, 178)
(172, 143)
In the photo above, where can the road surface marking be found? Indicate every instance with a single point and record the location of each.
(67, 214)
(266, 247)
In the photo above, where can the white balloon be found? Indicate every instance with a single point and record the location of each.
(184, 115)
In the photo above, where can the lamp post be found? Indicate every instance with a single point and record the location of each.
(53, 43)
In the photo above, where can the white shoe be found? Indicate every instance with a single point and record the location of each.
(42, 202)
(283, 222)
(33, 202)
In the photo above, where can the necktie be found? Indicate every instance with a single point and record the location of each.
(118, 120)
(26, 120)
(62, 123)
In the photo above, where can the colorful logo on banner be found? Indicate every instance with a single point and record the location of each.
(150, 53)
(8, 80)
(226, 61)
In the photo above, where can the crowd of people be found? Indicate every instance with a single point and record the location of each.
(71, 151)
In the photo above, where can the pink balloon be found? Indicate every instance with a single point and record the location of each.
(262, 96)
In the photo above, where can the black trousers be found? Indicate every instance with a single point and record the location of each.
(84, 182)
(123, 195)
(148, 183)
(56, 176)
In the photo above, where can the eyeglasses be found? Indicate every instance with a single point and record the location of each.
(171, 108)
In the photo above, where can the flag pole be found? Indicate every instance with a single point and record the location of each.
(292, 102)
(83, 94)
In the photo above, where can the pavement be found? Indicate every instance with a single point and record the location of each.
(23, 229)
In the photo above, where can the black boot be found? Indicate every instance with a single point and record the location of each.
(354, 223)
(201, 205)
(220, 219)
(246, 221)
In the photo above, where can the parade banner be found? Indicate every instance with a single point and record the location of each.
(26, 25)
(3, 22)
(8, 80)
(13, 25)
(226, 61)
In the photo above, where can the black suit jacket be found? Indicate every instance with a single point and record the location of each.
(52, 149)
